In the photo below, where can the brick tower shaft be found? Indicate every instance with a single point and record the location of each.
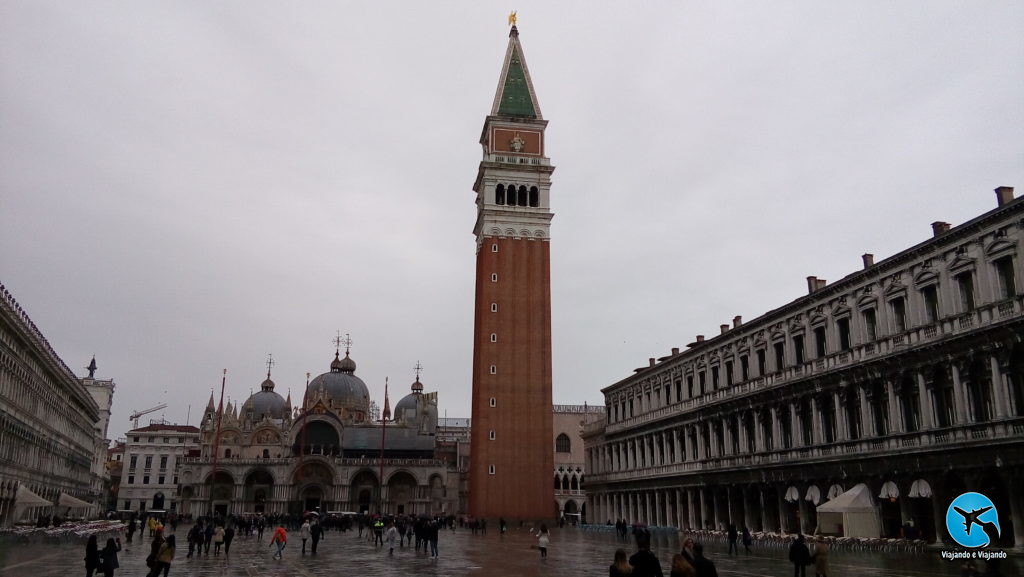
(512, 458)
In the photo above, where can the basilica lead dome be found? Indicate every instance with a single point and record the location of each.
(341, 386)
(267, 402)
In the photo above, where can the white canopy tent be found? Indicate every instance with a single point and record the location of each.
(852, 514)
(65, 500)
(25, 499)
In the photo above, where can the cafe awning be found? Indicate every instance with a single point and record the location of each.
(26, 498)
(66, 500)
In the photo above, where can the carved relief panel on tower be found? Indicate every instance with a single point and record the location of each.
(516, 141)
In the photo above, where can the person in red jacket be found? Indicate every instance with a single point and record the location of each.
(280, 538)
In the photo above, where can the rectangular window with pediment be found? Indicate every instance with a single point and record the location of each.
(843, 325)
(870, 325)
(965, 286)
(703, 378)
(728, 373)
(1007, 282)
(761, 363)
(820, 343)
(744, 367)
(798, 349)
(930, 294)
(898, 306)
(714, 378)
(780, 356)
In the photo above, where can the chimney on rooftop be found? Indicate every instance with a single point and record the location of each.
(737, 321)
(651, 360)
(812, 284)
(821, 283)
(939, 227)
(869, 259)
(725, 328)
(675, 350)
(700, 338)
(1004, 194)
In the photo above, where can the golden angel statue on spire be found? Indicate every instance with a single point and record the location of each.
(512, 18)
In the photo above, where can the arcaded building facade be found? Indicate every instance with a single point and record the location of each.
(47, 440)
(569, 465)
(511, 402)
(907, 376)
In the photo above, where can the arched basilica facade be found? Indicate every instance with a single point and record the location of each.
(271, 457)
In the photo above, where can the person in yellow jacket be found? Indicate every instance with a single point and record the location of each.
(164, 556)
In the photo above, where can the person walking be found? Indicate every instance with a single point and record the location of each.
(280, 539)
(820, 559)
(304, 535)
(229, 536)
(747, 540)
(154, 549)
(92, 556)
(620, 567)
(703, 565)
(542, 541)
(164, 556)
(131, 528)
(687, 551)
(218, 539)
(733, 535)
(432, 536)
(645, 563)
(799, 556)
(391, 535)
(681, 567)
(316, 532)
(108, 557)
(193, 537)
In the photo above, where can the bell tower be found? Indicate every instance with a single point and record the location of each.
(512, 461)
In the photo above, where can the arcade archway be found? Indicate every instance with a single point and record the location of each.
(364, 492)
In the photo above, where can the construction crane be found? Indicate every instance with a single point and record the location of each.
(134, 417)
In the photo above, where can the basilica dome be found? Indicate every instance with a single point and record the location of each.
(409, 401)
(342, 386)
(266, 401)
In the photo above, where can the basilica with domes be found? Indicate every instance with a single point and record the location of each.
(328, 451)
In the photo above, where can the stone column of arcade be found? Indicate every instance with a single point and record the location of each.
(805, 514)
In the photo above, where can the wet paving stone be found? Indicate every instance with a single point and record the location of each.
(572, 552)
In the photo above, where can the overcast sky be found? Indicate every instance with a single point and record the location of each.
(189, 186)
